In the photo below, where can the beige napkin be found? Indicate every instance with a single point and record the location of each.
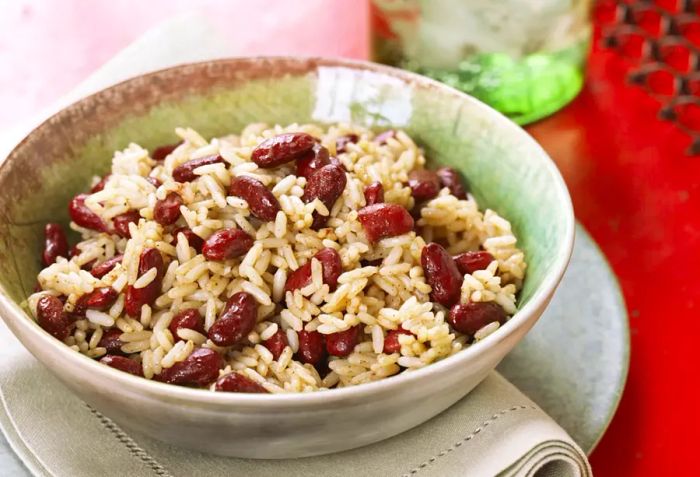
(495, 430)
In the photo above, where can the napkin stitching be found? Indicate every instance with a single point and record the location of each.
(131, 445)
(474, 433)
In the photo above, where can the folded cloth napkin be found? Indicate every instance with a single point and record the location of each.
(495, 430)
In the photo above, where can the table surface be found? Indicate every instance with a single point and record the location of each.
(632, 185)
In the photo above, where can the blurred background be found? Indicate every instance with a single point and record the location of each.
(49, 46)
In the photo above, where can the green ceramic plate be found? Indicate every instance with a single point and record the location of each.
(574, 362)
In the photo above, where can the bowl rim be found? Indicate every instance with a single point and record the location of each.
(14, 315)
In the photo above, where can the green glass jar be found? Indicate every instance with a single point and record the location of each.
(525, 58)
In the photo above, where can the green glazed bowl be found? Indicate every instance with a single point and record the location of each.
(506, 169)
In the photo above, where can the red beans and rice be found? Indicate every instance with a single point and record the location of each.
(278, 260)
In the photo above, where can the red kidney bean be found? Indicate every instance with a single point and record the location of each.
(382, 137)
(100, 185)
(237, 383)
(111, 341)
(299, 278)
(83, 216)
(102, 269)
(441, 273)
(450, 178)
(391, 340)
(468, 318)
(151, 257)
(374, 193)
(326, 184)
(312, 161)
(469, 262)
(282, 148)
(385, 220)
(262, 202)
(123, 364)
(190, 319)
(343, 342)
(167, 211)
(227, 243)
(185, 172)
(50, 316)
(331, 265)
(135, 298)
(161, 152)
(201, 368)
(55, 244)
(276, 344)
(424, 184)
(194, 240)
(121, 222)
(341, 142)
(237, 320)
(312, 349)
(154, 182)
(98, 299)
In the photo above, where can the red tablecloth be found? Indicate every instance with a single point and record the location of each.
(638, 194)
(632, 186)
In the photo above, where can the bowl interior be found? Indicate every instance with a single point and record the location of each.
(504, 167)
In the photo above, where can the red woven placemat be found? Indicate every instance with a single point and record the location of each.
(661, 41)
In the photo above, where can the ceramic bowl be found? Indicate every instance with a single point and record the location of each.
(506, 169)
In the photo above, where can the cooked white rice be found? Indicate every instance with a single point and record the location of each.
(378, 298)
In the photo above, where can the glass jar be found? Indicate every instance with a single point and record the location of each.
(525, 58)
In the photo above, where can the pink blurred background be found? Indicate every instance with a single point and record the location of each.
(49, 46)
